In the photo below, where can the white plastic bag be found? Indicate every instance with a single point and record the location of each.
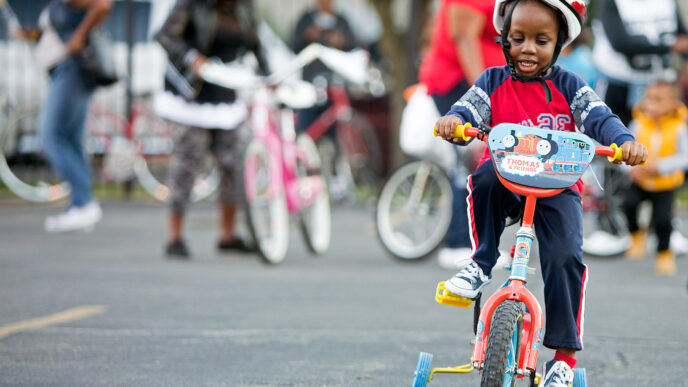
(415, 135)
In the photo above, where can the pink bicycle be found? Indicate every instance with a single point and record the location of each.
(282, 173)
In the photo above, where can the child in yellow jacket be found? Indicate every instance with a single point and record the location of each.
(659, 122)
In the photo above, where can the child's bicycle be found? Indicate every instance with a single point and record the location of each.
(282, 173)
(535, 163)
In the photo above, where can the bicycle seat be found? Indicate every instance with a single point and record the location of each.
(539, 158)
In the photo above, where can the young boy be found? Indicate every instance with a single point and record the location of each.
(659, 120)
(530, 90)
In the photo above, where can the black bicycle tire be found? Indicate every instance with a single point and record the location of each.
(507, 317)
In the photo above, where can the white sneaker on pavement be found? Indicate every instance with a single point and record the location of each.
(454, 258)
(458, 258)
(503, 261)
(81, 218)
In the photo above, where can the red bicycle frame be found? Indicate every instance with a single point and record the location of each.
(516, 290)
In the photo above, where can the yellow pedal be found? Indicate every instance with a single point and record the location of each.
(443, 296)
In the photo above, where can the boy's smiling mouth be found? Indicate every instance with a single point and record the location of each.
(526, 66)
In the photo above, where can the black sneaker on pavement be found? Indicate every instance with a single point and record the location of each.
(557, 374)
(236, 244)
(177, 249)
(468, 282)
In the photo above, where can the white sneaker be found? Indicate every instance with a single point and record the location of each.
(458, 258)
(557, 374)
(503, 261)
(468, 282)
(76, 218)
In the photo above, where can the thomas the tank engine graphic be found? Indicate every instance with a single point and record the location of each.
(562, 156)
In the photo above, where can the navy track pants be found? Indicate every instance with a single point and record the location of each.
(558, 227)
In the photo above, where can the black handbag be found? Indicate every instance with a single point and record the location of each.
(97, 60)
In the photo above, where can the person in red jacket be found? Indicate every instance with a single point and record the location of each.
(462, 47)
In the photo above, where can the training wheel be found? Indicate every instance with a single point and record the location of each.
(579, 377)
(422, 373)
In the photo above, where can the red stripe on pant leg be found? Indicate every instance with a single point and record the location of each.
(581, 307)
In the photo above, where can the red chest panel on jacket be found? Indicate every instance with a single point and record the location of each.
(525, 103)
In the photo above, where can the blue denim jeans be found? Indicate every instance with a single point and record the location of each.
(457, 235)
(61, 125)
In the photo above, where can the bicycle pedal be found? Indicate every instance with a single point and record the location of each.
(443, 296)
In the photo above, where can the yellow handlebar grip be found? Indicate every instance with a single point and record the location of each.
(459, 132)
(618, 154)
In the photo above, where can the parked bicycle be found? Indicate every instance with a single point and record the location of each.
(23, 168)
(509, 326)
(414, 207)
(282, 173)
(352, 155)
(138, 147)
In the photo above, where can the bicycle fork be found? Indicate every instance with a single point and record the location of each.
(515, 290)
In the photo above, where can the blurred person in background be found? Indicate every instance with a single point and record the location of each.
(462, 47)
(577, 57)
(659, 120)
(634, 43)
(63, 114)
(194, 31)
(323, 25)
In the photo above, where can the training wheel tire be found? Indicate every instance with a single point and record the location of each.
(422, 373)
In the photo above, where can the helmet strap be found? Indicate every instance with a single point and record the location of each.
(506, 46)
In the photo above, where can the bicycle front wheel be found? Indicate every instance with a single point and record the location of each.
(23, 168)
(315, 217)
(503, 346)
(414, 210)
(265, 203)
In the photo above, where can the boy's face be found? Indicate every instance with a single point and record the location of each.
(660, 101)
(533, 37)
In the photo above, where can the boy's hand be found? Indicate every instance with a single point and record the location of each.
(446, 126)
(634, 153)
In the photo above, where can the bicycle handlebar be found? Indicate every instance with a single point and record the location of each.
(351, 65)
(466, 131)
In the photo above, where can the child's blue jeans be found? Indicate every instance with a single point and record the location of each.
(61, 124)
(558, 225)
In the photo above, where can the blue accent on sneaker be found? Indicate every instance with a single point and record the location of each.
(468, 282)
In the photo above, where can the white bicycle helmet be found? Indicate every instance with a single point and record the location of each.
(573, 11)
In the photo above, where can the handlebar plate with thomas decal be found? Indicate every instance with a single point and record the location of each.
(535, 157)
(539, 158)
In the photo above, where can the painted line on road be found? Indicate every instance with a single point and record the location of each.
(78, 313)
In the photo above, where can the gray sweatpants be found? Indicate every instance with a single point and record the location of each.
(191, 146)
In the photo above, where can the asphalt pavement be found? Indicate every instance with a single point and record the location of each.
(107, 308)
